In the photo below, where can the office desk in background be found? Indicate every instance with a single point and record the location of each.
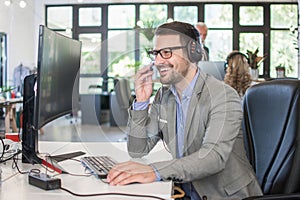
(10, 113)
(16, 186)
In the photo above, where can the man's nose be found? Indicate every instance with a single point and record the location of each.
(158, 59)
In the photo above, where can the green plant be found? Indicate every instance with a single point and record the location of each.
(5, 89)
(147, 29)
(254, 60)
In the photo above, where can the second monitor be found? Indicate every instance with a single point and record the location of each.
(214, 68)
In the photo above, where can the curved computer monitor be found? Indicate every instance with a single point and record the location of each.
(214, 68)
(53, 91)
(57, 76)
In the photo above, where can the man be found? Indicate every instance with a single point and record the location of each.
(202, 28)
(199, 119)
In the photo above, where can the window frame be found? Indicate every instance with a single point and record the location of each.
(236, 29)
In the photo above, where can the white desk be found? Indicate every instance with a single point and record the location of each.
(18, 188)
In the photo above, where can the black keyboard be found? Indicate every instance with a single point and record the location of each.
(98, 165)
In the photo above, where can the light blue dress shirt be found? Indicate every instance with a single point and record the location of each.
(181, 113)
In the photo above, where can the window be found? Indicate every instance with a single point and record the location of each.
(121, 53)
(284, 52)
(251, 15)
(121, 16)
(154, 13)
(90, 17)
(284, 39)
(187, 14)
(90, 53)
(218, 18)
(252, 41)
(219, 48)
(283, 15)
(121, 43)
(60, 17)
(115, 36)
(151, 16)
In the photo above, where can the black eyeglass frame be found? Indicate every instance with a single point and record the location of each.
(153, 53)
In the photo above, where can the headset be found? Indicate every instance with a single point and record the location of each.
(231, 56)
(194, 47)
(189, 32)
(234, 54)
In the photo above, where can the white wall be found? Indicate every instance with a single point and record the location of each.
(17, 23)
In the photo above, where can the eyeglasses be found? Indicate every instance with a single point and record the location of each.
(165, 53)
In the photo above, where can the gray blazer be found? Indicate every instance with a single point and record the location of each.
(214, 155)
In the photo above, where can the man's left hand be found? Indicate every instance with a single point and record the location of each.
(131, 172)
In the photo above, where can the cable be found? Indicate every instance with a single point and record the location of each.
(111, 193)
(3, 146)
(37, 171)
(178, 189)
(84, 175)
(6, 159)
(16, 165)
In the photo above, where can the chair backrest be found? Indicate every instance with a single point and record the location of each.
(271, 132)
(123, 92)
(120, 100)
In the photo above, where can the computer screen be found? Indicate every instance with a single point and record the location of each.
(54, 91)
(214, 68)
(57, 76)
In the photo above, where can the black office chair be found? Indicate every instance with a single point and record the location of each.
(271, 132)
(120, 100)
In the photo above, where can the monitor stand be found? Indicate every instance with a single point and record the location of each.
(66, 156)
(52, 161)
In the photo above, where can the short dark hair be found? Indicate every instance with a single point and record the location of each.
(185, 30)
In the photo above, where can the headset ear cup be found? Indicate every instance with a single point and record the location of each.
(194, 51)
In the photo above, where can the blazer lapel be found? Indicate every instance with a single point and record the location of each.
(171, 118)
(193, 102)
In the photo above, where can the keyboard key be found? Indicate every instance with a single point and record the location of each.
(98, 165)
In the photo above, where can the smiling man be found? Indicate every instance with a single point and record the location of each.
(198, 117)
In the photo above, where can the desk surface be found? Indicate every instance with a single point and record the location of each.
(15, 185)
(11, 101)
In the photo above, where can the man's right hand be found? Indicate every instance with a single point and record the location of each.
(143, 83)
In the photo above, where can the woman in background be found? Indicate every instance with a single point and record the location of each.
(237, 72)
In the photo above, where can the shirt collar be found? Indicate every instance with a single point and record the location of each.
(188, 91)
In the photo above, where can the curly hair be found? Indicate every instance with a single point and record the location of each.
(237, 73)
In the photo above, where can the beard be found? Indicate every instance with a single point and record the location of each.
(171, 77)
